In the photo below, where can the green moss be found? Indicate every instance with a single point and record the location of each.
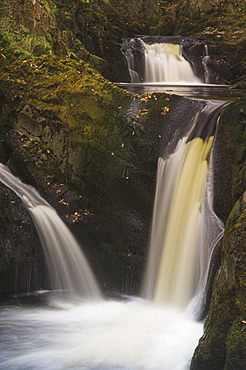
(13, 41)
(242, 83)
(75, 111)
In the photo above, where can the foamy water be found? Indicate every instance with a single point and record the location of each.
(130, 335)
(165, 63)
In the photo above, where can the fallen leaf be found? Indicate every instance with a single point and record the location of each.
(62, 202)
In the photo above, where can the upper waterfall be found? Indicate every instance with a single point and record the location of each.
(166, 60)
(165, 63)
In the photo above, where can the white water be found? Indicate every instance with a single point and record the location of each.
(68, 267)
(165, 63)
(108, 335)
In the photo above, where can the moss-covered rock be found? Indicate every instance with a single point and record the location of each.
(30, 29)
(101, 25)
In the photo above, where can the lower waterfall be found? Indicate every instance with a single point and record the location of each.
(155, 332)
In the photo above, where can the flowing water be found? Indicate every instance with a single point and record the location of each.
(108, 335)
(68, 268)
(165, 63)
(179, 254)
(157, 332)
(159, 62)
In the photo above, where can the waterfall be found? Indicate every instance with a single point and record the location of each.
(158, 60)
(181, 244)
(165, 63)
(68, 268)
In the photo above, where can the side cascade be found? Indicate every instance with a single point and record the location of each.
(68, 268)
(185, 230)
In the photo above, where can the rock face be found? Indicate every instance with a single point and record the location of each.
(61, 141)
